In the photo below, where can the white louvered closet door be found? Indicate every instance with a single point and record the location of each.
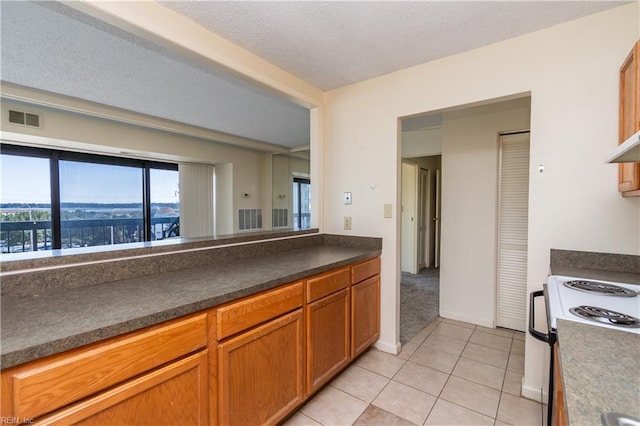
(513, 216)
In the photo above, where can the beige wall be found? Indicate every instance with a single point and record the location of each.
(423, 142)
(571, 71)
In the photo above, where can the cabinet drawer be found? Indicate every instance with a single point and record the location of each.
(364, 270)
(242, 315)
(326, 284)
(43, 386)
(171, 395)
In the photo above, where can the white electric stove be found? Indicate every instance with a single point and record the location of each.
(601, 303)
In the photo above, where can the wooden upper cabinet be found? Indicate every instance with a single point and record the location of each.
(629, 173)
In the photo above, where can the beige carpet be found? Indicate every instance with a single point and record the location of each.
(419, 301)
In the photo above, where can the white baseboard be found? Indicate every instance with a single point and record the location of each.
(535, 393)
(387, 347)
(470, 320)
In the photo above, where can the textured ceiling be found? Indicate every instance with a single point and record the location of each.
(334, 43)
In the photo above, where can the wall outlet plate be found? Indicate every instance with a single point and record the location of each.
(347, 223)
(347, 198)
(388, 210)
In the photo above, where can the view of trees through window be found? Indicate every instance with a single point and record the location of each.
(55, 199)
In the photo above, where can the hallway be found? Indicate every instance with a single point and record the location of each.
(419, 301)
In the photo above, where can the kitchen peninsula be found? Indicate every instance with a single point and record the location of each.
(99, 335)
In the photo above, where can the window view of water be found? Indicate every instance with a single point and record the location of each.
(99, 204)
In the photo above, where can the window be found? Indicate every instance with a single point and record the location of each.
(301, 203)
(58, 199)
(25, 197)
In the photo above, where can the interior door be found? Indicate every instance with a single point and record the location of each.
(423, 219)
(408, 261)
(436, 219)
(513, 217)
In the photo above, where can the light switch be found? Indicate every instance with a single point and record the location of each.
(347, 223)
(347, 198)
(388, 210)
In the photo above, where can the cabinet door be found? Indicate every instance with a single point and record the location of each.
(174, 394)
(260, 373)
(365, 314)
(629, 173)
(328, 343)
(42, 386)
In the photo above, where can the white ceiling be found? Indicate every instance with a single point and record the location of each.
(50, 46)
(335, 43)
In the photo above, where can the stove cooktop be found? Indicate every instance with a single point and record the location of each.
(619, 299)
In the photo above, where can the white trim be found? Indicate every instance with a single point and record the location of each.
(470, 320)
(534, 393)
(387, 347)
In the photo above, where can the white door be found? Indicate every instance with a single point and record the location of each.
(408, 262)
(513, 216)
(436, 219)
(423, 219)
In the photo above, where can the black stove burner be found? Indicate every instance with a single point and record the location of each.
(604, 289)
(606, 316)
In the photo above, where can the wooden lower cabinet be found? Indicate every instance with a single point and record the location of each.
(174, 394)
(365, 314)
(559, 415)
(260, 372)
(328, 338)
(244, 363)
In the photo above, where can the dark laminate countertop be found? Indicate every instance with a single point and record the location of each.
(39, 325)
(600, 371)
(597, 274)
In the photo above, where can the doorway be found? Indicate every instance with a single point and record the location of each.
(420, 281)
(420, 221)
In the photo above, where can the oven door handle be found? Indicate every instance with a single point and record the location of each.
(548, 337)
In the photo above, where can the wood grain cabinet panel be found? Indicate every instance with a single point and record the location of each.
(365, 314)
(260, 373)
(327, 283)
(328, 338)
(255, 310)
(46, 385)
(172, 395)
(629, 173)
(364, 270)
(559, 415)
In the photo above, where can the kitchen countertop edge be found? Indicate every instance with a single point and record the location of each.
(243, 281)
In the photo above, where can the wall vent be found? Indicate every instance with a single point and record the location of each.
(249, 219)
(24, 118)
(280, 218)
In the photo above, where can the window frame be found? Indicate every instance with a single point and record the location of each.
(56, 155)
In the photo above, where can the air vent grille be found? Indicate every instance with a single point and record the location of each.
(24, 118)
(249, 219)
(280, 218)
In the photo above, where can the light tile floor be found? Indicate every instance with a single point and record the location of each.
(451, 373)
